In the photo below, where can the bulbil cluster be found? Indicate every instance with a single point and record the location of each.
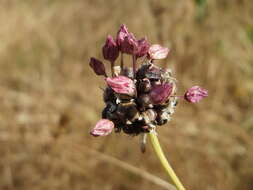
(137, 98)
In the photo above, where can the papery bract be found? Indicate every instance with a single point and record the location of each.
(195, 94)
(121, 85)
(102, 128)
(156, 51)
(110, 49)
(97, 66)
(160, 93)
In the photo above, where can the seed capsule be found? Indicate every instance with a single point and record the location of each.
(109, 95)
(149, 116)
(127, 111)
(109, 112)
(144, 85)
(143, 101)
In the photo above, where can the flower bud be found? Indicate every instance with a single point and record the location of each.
(157, 52)
(160, 93)
(195, 94)
(97, 66)
(102, 128)
(143, 47)
(121, 85)
(110, 49)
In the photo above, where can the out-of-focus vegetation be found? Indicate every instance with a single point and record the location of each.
(50, 99)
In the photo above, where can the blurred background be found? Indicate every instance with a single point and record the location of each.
(50, 98)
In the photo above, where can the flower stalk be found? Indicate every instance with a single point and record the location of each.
(166, 165)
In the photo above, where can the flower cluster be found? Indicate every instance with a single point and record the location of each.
(137, 98)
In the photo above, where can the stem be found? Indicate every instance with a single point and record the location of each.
(112, 68)
(134, 65)
(164, 161)
(121, 61)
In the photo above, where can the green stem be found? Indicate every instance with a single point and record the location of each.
(164, 161)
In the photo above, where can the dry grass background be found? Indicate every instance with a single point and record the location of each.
(49, 97)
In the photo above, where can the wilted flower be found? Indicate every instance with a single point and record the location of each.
(122, 33)
(143, 47)
(195, 94)
(102, 128)
(97, 66)
(160, 93)
(157, 52)
(121, 85)
(129, 45)
(110, 49)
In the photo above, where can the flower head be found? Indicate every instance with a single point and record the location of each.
(97, 66)
(195, 94)
(121, 85)
(160, 93)
(140, 98)
(157, 52)
(110, 49)
(102, 128)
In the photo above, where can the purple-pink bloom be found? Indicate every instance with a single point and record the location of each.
(110, 49)
(121, 85)
(102, 128)
(129, 45)
(195, 94)
(160, 93)
(97, 66)
(157, 52)
(143, 47)
(122, 33)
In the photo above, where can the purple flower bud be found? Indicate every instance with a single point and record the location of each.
(195, 94)
(129, 45)
(102, 128)
(97, 66)
(110, 49)
(157, 52)
(160, 93)
(122, 33)
(121, 85)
